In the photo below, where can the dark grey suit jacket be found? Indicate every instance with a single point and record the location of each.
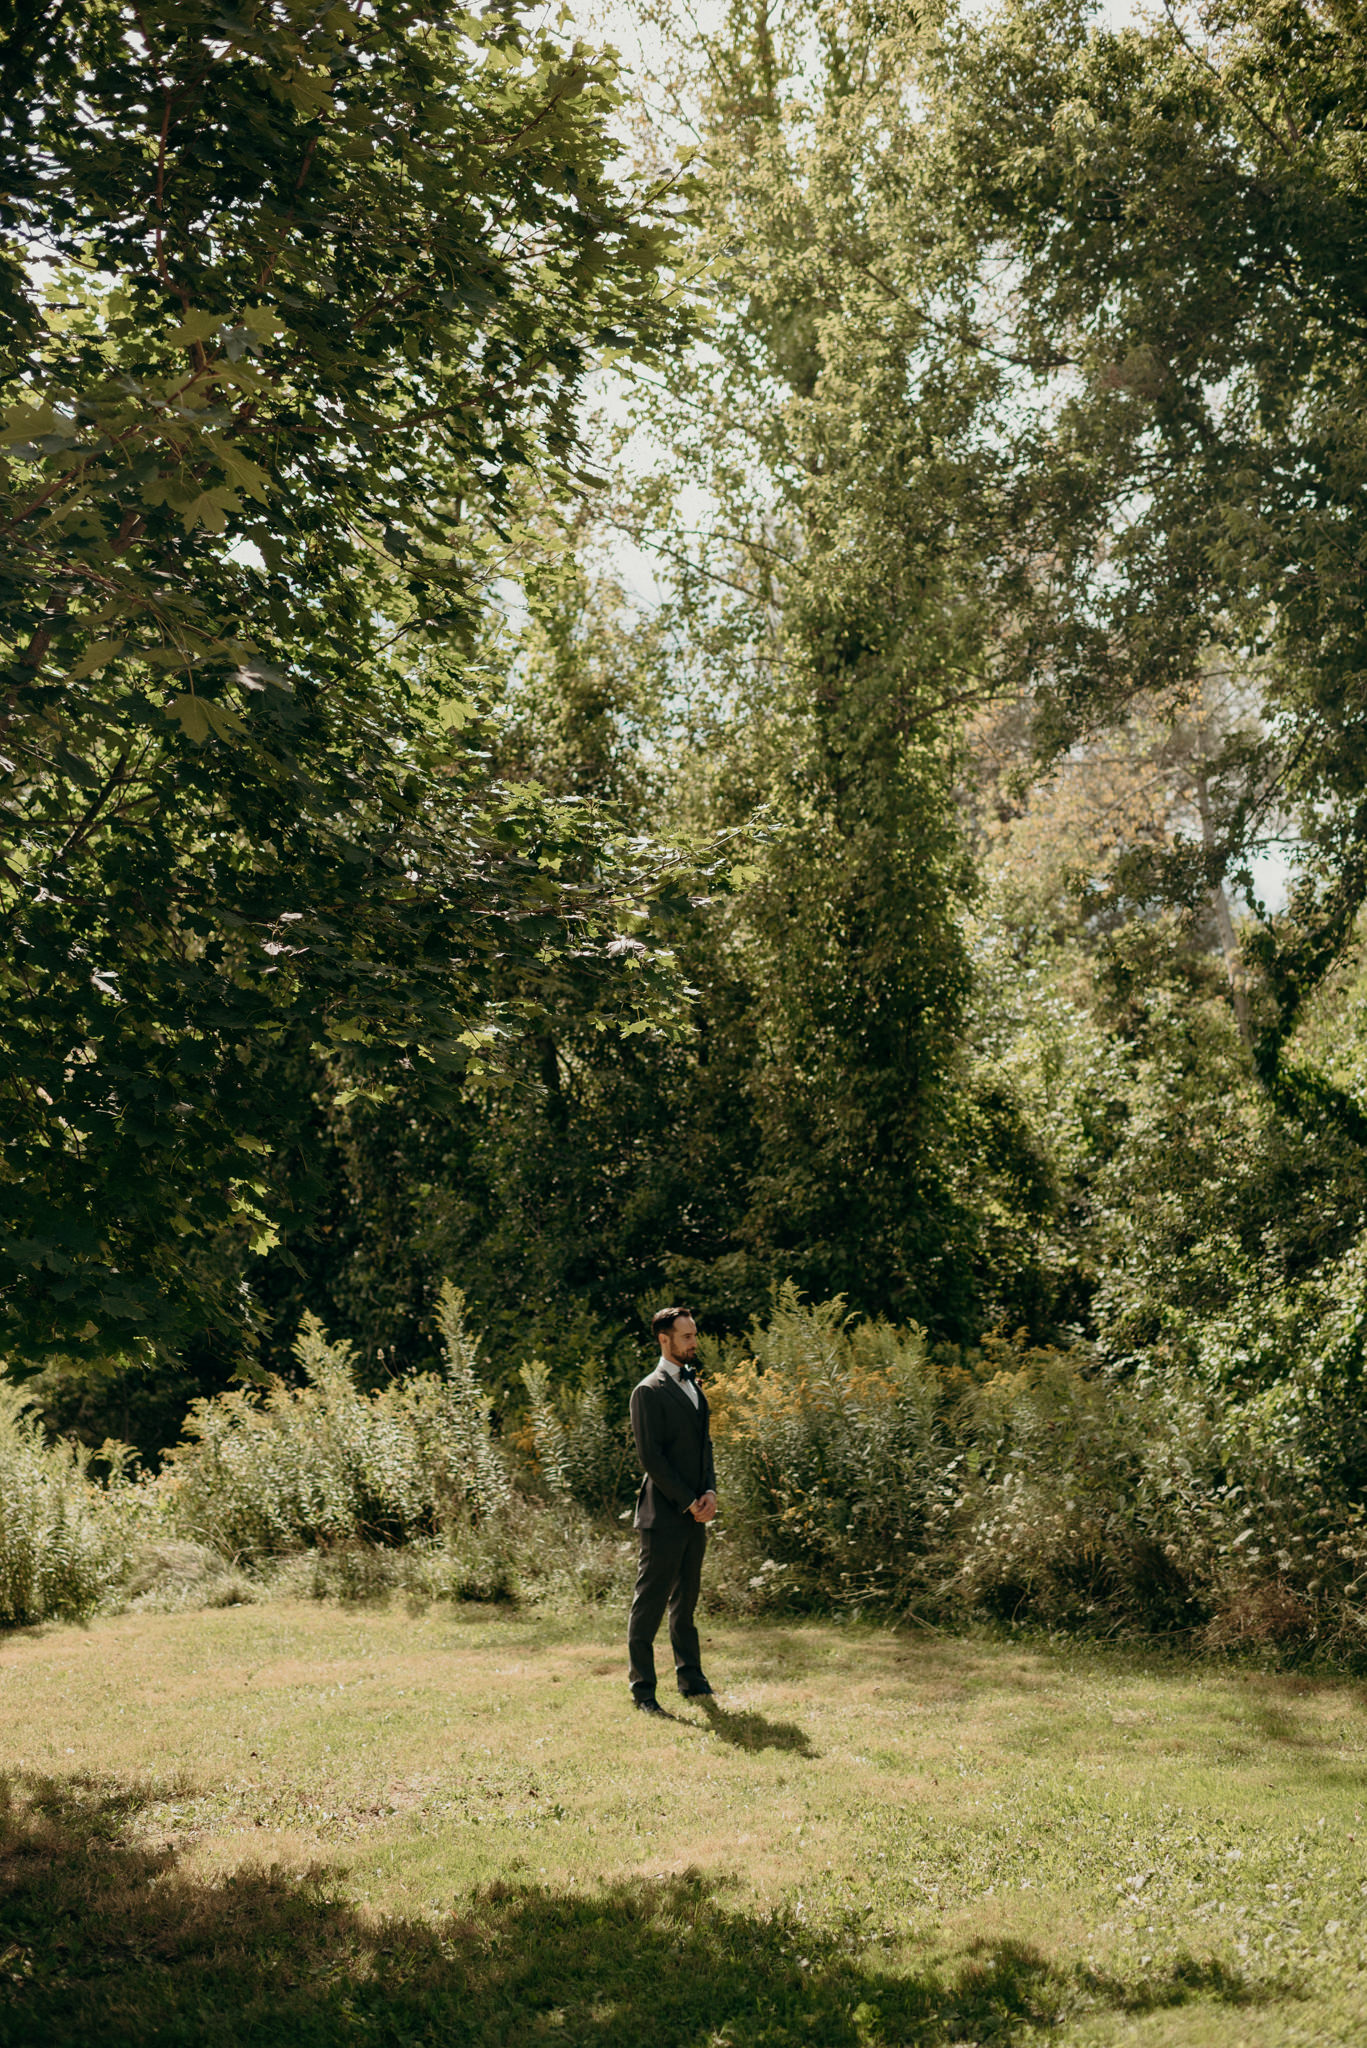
(674, 1445)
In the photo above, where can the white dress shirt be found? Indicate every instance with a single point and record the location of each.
(676, 1373)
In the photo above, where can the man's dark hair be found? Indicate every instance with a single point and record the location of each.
(665, 1319)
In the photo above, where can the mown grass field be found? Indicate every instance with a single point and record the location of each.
(307, 1824)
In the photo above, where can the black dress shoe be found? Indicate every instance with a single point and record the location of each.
(697, 1692)
(649, 1706)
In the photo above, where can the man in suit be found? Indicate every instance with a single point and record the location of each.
(677, 1500)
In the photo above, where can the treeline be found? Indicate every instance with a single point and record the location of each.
(867, 897)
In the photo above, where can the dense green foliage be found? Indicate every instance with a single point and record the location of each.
(292, 303)
(1022, 1484)
(861, 1468)
(322, 1462)
(63, 1540)
(911, 545)
(1003, 502)
(1178, 218)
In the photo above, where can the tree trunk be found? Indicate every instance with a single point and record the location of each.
(1224, 922)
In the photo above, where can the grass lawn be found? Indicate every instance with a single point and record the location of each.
(305, 1824)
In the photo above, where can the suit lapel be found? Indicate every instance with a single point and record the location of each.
(677, 1391)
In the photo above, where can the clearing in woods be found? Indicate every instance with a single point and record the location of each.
(307, 1824)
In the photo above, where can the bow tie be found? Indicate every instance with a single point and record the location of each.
(689, 1372)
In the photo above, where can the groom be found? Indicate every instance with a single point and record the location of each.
(676, 1502)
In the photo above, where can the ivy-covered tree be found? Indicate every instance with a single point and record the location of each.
(833, 558)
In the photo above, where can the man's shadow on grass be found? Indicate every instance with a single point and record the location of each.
(752, 1731)
(105, 1939)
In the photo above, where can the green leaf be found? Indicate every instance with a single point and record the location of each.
(196, 326)
(200, 718)
(95, 658)
(455, 712)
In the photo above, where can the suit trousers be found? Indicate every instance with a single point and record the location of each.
(669, 1575)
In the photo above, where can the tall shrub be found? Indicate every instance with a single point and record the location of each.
(324, 1461)
(61, 1536)
(1084, 1502)
(583, 1451)
(830, 1457)
(1024, 1484)
(460, 1438)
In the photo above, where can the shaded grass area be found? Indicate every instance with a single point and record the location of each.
(114, 1943)
(294, 1824)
